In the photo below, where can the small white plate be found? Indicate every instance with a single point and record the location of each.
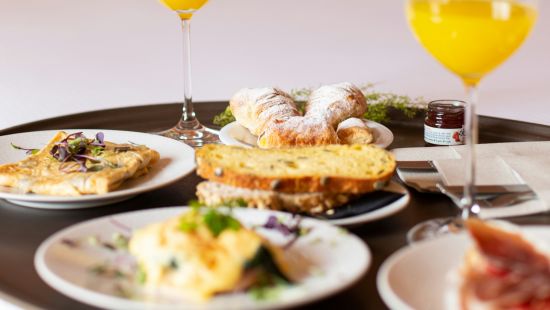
(419, 276)
(235, 134)
(380, 213)
(176, 161)
(337, 259)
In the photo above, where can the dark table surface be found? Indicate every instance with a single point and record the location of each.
(23, 229)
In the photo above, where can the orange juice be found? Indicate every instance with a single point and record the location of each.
(185, 8)
(470, 37)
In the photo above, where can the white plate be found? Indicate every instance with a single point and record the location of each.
(417, 276)
(235, 134)
(176, 161)
(337, 259)
(380, 213)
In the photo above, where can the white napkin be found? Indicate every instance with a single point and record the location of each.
(489, 171)
(497, 164)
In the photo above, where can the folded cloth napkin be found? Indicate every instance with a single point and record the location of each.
(496, 164)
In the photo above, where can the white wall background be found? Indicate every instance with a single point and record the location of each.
(65, 56)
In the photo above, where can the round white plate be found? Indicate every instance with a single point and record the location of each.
(418, 276)
(337, 259)
(235, 134)
(176, 161)
(380, 213)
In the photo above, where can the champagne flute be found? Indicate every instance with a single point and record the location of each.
(188, 130)
(470, 38)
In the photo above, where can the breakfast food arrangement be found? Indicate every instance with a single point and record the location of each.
(74, 165)
(278, 197)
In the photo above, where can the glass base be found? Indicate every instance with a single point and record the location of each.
(431, 229)
(192, 133)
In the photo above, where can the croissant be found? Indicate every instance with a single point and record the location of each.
(327, 107)
(354, 131)
(298, 131)
(336, 103)
(256, 108)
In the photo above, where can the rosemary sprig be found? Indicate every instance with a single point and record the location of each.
(380, 104)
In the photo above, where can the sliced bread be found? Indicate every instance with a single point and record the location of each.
(330, 168)
(217, 194)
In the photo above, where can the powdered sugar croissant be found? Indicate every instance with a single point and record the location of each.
(255, 108)
(336, 103)
(326, 108)
(271, 114)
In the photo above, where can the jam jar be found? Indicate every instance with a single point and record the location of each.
(444, 123)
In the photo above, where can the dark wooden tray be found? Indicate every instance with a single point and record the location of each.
(23, 229)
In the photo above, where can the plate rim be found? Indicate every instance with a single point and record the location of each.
(388, 210)
(95, 197)
(47, 275)
(227, 139)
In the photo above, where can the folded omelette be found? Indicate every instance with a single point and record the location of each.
(94, 170)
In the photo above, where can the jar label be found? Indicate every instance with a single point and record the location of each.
(443, 136)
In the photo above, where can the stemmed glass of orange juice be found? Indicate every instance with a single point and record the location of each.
(470, 38)
(188, 129)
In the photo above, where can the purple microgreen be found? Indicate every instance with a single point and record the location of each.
(292, 228)
(70, 243)
(274, 223)
(120, 225)
(76, 148)
(27, 150)
(99, 140)
(90, 158)
(108, 246)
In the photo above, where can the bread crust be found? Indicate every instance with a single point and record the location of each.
(305, 184)
(216, 194)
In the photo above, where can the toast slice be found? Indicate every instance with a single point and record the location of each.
(352, 169)
(216, 194)
(41, 173)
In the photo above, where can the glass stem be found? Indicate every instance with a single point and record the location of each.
(469, 207)
(188, 113)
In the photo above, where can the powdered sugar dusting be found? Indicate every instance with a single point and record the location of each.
(336, 103)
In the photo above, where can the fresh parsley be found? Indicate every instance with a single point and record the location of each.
(217, 222)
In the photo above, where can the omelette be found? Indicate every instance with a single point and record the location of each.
(72, 165)
(205, 252)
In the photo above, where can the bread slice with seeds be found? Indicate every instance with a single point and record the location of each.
(352, 169)
(217, 194)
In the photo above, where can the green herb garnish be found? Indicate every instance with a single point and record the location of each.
(213, 219)
(224, 118)
(141, 275)
(217, 222)
(188, 225)
(27, 151)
